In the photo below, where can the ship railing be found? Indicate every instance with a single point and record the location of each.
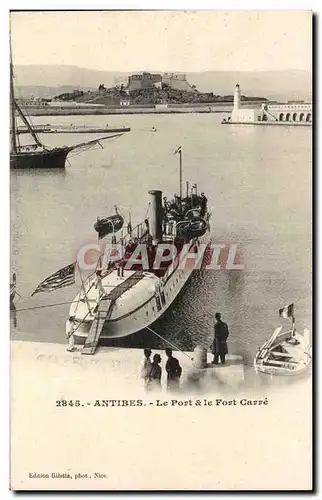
(137, 233)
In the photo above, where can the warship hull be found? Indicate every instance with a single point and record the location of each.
(139, 313)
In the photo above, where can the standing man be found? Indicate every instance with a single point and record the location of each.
(219, 346)
(174, 371)
(146, 368)
(154, 381)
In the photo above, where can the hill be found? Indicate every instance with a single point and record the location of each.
(27, 91)
(47, 81)
(279, 85)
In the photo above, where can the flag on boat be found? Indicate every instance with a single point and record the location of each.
(287, 311)
(62, 278)
(178, 150)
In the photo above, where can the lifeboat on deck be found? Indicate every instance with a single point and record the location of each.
(192, 228)
(108, 225)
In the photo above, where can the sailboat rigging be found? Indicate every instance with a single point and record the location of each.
(37, 155)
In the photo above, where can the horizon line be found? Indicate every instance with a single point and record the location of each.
(168, 70)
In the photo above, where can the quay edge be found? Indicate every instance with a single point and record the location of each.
(119, 368)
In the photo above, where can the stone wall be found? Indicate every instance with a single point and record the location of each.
(291, 112)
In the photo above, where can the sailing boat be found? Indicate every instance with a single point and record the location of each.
(37, 155)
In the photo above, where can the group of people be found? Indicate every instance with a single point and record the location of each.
(178, 207)
(151, 371)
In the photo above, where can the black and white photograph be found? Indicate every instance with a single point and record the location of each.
(161, 250)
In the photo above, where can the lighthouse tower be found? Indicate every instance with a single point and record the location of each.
(237, 97)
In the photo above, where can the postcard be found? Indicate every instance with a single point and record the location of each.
(161, 250)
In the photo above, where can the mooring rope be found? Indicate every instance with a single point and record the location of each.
(169, 342)
(43, 306)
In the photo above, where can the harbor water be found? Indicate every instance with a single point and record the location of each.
(258, 184)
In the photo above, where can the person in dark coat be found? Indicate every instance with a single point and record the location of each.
(203, 204)
(174, 371)
(219, 347)
(154, 381)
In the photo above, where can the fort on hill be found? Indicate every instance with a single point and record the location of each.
(177, 81)
(150, 89)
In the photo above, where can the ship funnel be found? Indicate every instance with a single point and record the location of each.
(156, 216)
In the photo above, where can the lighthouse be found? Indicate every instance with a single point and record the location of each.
(237, 97)
(242, 114)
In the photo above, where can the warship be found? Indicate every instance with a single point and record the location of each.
(144, 271)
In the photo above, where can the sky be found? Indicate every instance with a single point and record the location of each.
(185, 41)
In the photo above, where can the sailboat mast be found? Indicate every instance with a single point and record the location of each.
(13, 135)
(14, 106)
(31, 131)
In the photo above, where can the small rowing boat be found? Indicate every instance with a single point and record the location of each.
(285, 352)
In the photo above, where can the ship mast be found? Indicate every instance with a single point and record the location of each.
(180, 180)
(14, 106)
(13, 136)
(179, 150)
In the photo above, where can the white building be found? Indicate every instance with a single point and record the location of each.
(292, 113)
(125, 102)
